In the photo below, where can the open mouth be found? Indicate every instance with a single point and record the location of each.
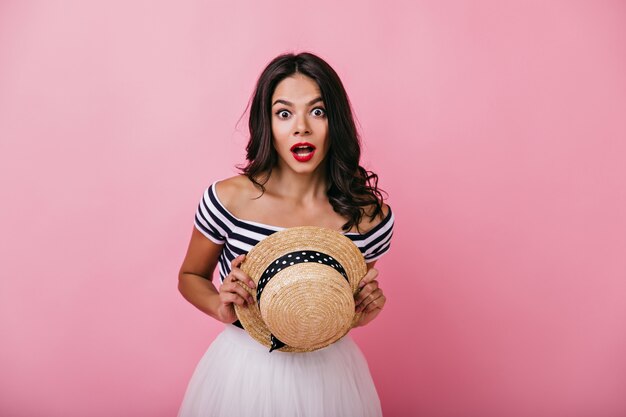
(303, 151)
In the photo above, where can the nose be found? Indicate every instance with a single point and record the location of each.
(302, 126)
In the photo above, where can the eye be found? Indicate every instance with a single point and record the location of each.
(283, 114)
(319, 112)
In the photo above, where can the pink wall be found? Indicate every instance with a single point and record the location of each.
(497, 128)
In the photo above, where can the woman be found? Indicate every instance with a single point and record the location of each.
(303, 170)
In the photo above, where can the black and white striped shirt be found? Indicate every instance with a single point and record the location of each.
(219, 225)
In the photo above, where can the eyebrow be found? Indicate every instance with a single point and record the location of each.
(288, 103)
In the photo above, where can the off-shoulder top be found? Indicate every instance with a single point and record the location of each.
(238, 236)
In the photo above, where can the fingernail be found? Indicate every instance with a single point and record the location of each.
(361, 284)
(251, 284)
(250, 300)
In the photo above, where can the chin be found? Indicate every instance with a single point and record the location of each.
(303, 168)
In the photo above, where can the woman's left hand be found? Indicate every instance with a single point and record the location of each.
(370, 300)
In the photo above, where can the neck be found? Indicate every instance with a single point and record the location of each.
(300, 188)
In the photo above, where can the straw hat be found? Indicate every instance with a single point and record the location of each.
(306, 279)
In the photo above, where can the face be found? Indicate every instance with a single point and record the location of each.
(299, 124)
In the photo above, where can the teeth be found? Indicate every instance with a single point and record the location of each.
(302, 150)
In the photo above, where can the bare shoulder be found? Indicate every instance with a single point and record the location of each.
(367, 223)
(235, 191)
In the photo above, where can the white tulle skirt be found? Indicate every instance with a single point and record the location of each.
(239, 377)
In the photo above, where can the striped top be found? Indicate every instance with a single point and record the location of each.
(219, 225)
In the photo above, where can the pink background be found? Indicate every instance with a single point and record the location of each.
(497, 127)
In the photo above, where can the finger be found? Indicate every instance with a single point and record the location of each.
(377, 304)
(238, 275)
(237, 261)
(366, 291)
(231, 298)
(233, 287)
(368, 277)
(376, 294)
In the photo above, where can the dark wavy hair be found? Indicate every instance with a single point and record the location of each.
(352, 188)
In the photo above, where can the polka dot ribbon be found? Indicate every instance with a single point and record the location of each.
(290, 259)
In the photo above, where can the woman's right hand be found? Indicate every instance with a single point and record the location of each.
(232, 293)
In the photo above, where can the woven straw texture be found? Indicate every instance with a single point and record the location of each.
(307, 306)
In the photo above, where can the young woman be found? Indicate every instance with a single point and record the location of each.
(302, 170)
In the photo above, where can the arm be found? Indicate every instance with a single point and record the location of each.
(370, 299)
(195, 276)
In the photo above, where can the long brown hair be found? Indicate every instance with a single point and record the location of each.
(352, 188)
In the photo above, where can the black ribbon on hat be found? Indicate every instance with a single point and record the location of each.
(291, 259)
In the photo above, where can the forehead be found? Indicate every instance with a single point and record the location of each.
(297, 87)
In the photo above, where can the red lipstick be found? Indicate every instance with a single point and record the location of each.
(303, 151)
